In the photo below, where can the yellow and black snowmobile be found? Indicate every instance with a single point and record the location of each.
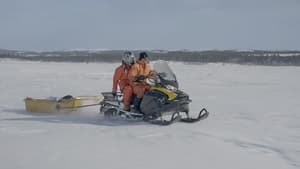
(163, 104)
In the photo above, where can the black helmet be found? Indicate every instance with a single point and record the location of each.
(143, 55)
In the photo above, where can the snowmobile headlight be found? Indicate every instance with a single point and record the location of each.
(170, 87)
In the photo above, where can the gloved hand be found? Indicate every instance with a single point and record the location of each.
(140, 78)
(114, 93)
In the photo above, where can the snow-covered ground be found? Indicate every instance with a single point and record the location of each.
(254, 120)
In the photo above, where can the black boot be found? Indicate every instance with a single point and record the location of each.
(137, 103)
(126, 108)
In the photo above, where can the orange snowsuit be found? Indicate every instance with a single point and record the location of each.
(138, 69)
(121, 78)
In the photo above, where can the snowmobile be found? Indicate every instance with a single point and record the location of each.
(163, 104)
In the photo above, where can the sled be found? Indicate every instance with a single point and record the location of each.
(65, 104)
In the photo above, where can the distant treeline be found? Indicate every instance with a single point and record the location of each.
(257, 57)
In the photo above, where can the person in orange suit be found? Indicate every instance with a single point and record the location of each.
(137, 75)
(120, 79)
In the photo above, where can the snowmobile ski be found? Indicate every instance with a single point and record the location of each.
(203, 114)
(163, 122)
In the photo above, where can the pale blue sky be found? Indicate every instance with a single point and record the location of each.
(150, 24)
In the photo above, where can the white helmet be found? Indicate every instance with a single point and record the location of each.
(128, 58)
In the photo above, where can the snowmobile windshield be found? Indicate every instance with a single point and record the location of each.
(165, 73)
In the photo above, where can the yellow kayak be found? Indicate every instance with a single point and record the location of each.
(64, 105)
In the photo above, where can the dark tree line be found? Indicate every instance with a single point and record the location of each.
(213, 56)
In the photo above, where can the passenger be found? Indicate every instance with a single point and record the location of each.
(120, 79)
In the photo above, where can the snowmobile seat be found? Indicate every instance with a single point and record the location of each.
(108, 96)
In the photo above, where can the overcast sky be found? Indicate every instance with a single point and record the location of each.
(150, 24)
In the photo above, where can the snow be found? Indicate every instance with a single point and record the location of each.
(289, 54)
(254, 120)
(277, 54)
